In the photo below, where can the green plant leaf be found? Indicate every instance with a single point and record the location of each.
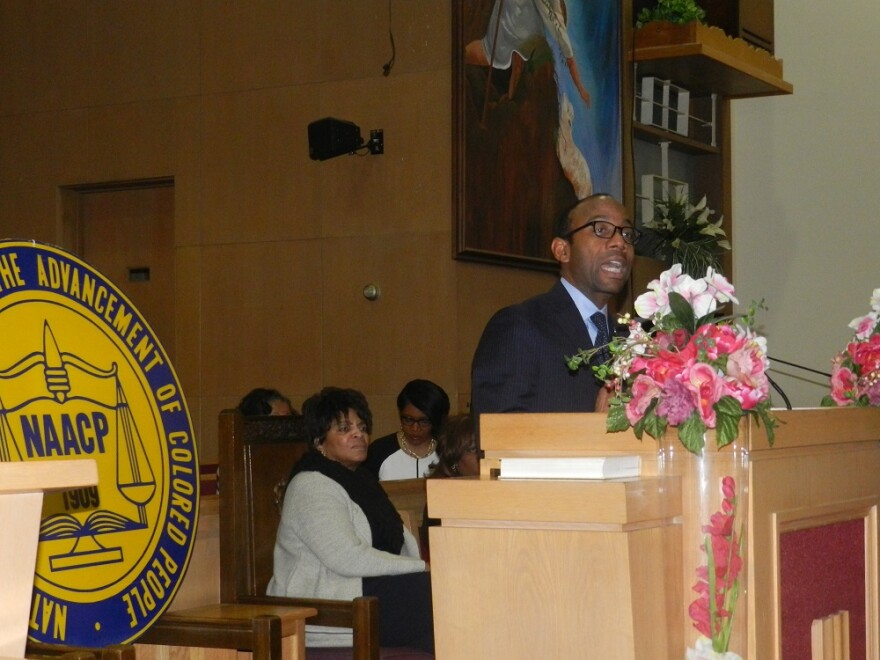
(728, 413)
(655, 426)
(769, 420)
(617, 420)
(682, 311)
(728, 405)
(726, 427)
(692, 433)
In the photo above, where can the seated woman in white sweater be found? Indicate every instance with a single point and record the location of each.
(341, 537)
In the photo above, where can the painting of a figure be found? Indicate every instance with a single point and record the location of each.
(538, 121)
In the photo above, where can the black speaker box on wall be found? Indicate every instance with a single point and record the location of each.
(331, 137)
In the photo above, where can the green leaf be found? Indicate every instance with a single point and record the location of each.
(617, 420)
(728, 405)
(682, 311)
(655, 426)
(639, 427)
(769, 420)
(726, 428)
(692, 433)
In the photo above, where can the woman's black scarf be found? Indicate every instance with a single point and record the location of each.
(363, 488)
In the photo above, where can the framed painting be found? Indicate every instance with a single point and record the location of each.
(537, 120)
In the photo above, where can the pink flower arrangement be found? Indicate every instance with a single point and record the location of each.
(717, 584)
(690, 369)
(855, 371)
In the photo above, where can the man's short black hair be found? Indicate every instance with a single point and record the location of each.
(562, 224)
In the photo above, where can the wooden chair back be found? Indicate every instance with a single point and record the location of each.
(256, 456)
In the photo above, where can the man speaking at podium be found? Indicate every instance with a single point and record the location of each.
(520, 361)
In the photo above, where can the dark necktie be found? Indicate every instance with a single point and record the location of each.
(602, 338)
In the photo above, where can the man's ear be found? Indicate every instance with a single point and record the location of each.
(561, 250)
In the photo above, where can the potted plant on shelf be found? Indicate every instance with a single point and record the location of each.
(686, 234)
(672, 11)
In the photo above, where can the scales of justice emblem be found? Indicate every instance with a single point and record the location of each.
(83, 376)
(134, 477)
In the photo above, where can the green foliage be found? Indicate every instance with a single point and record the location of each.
(617, 420)
(728, 412)
(692, 433)
(674, 11)
(688, 235)
(682, 311)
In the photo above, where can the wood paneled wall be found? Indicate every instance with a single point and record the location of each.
(272, 250)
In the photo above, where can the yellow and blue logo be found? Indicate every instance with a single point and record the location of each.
(82, 375)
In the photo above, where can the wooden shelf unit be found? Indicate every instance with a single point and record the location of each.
(705, 60)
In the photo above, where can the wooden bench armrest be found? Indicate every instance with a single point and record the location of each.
(261, 634)
(360, 614)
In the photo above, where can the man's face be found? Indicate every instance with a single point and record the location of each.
(598, 267)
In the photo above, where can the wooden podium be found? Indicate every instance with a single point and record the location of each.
(22, 485)
(590, 569)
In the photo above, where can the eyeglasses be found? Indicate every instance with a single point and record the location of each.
(421, 422)
(606, 230)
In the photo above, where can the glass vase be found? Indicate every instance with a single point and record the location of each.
(714, 491)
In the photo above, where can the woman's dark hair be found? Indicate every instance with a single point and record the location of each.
(428, 397)
(259, 401)
(330, 405)
(456, 439)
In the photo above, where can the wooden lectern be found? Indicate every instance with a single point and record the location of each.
(590, 569)
(22, 485)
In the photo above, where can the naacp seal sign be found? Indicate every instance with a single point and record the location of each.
(83, 376)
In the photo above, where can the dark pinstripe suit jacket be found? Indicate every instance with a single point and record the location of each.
(520, 362)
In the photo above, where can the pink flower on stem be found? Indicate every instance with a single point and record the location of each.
(746, 375)
(707, 387)
(864, 325)
(866, 354)
(843, 385)
(644, 390)
(677, 402)
(717, 586)
(723, 290)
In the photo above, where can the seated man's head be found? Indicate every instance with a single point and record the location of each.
(265, 401)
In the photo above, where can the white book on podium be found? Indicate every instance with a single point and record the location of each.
(572, 467)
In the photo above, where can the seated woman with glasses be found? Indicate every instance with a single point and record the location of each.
(340, 536)
(409, 453)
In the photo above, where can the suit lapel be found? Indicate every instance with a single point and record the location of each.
(568, 318)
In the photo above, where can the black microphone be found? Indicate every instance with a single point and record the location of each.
(796, 366)
(781, 393)
(799, 366)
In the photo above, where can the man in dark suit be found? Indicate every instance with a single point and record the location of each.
(520, 362)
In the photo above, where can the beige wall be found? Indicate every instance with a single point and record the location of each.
(272, 249)
(806, 187)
